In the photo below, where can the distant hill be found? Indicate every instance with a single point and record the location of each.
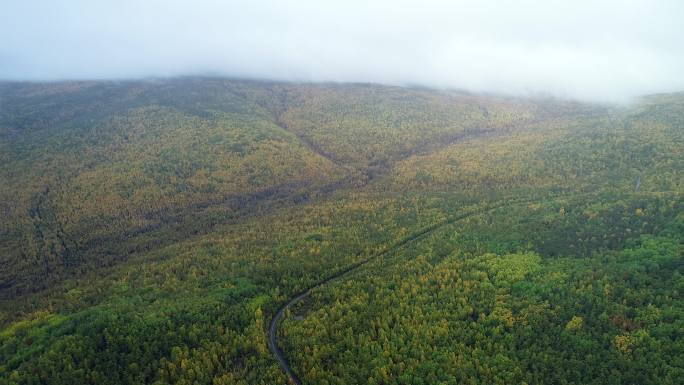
(92, 167)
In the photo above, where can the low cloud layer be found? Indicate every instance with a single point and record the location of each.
(608, 50)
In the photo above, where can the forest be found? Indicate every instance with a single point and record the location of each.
(151, 230)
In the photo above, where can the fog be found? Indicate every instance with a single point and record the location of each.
(607, 51)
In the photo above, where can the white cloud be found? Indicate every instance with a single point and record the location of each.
(595, 50)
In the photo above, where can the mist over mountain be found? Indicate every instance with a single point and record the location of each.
(346, 192)
(607, 51)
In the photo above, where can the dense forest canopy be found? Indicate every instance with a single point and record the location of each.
(150, 230)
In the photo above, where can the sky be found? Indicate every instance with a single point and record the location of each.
(605, 51)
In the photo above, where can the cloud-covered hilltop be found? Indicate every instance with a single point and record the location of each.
(600, 51)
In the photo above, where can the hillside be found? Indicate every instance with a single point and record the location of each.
(151, 230)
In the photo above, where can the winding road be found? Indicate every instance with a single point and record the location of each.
(273, 327)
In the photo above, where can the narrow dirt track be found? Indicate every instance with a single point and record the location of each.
(273, 327)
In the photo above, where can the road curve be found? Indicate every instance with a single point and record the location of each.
(273, 339)
(273, 327)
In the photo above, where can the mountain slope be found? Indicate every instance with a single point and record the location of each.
(152, 229)
(89, 167)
